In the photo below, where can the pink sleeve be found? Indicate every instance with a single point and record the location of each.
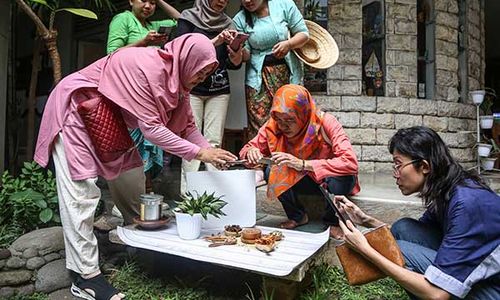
(193, 134)
(169, 141)
(259, 141)
(343, 161)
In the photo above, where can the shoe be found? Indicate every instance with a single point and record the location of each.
(101, 288)
(116, 212)
(291, 224)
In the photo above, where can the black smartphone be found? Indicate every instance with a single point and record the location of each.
(165, 29)
(239, 39)
(329, 199)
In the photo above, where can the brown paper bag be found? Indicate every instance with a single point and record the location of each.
(358, 269)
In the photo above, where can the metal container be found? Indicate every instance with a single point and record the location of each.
(151, 207)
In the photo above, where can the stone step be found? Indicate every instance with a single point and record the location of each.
(379, 197)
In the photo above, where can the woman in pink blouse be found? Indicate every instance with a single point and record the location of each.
(151, 87)
(308, 148)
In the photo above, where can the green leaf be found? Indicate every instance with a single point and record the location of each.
(41, 203)
(80, 12)
(45, 215)
(56, 218)
(53, 199)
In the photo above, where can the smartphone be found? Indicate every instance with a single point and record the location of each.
(165, 29)
(266, 161)
(238, 40)
(343, 217)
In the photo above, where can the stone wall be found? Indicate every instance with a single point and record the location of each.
(34, 263)
(446, 35)
(475, 44)
(401, 48)
(344, 23)
(371, 121)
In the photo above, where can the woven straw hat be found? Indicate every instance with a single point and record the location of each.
(321, 51)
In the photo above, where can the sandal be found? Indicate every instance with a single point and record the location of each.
(101, 287)
(291, 224)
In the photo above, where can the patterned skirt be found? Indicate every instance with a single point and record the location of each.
(259, 103)
(152, 155)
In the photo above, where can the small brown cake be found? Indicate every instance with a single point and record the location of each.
(249, 235)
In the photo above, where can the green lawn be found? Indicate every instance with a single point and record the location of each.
(328, 283)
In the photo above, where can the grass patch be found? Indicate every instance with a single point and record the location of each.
(328, 283)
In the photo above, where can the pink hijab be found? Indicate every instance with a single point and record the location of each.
(151, 80)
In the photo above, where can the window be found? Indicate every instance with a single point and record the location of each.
(316, 11)
(425, 49)
(373, 48)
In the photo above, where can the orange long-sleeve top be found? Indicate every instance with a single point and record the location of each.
(336, 157)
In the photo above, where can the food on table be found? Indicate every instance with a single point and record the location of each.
(230, 240)
(265, 243)
(249, 235)
(232, 230)
(278, 235)
(215, 238)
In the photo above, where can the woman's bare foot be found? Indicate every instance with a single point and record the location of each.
(336, 232)
(291, 224)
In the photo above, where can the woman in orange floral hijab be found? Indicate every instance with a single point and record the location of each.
(307, 148)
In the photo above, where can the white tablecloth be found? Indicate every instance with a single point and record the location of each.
(294, 249)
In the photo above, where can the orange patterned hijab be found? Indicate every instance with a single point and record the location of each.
(295, 101)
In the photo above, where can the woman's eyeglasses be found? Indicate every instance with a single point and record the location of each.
(396, 168)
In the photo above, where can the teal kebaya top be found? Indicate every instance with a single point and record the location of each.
(126, 29)
(284, 17)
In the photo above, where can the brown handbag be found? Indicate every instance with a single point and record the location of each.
(357, 268)
(106, 128)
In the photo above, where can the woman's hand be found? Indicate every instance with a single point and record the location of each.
(153, 38)
(359, 217)
(215, 156)
(226, 36)
(282, 158)
(281, 49)
(236, 57)
(354, 237)
(253, 156)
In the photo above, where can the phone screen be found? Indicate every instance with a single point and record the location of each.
(164, 30)
(238, 40)
(329, 200)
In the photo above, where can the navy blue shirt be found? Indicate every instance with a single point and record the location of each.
(470, 251)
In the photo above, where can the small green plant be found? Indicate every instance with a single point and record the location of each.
(206, 204)
(28, 201)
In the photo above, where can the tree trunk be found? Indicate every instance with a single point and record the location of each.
(51, 44)
(35, 67)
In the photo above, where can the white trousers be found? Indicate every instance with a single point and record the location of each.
(78, 201)
(210, 117)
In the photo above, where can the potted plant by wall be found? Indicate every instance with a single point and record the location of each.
(192, 208)
(488, 163)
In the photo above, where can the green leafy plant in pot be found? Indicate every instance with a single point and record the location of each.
(192, 208)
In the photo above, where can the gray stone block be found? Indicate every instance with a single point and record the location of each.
(4, 253)
(374, 120)
(393, 105)
(347, 119)
(375, 153)
(436, 123)
(404, 121)
(51, 257)
(15, 277)
(384, 135)
(52, 276)
(15, 262)
(30, 252)
(35, 263)
(361, 136)
(45, 240)
(423, 107)
(360, 103)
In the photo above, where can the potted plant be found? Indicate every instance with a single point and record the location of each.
(192, 208)
(488, 163)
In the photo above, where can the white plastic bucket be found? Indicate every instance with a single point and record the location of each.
(188, 227)
(483, 150)
(486, 121)
(477, 96)
(488, 163)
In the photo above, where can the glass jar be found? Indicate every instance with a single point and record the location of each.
(150, 207)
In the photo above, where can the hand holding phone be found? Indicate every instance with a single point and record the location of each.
(164, 29)
(238, 40)
(343, 217)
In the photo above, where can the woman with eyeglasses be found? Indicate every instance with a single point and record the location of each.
(308, 148)
(453, 250)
